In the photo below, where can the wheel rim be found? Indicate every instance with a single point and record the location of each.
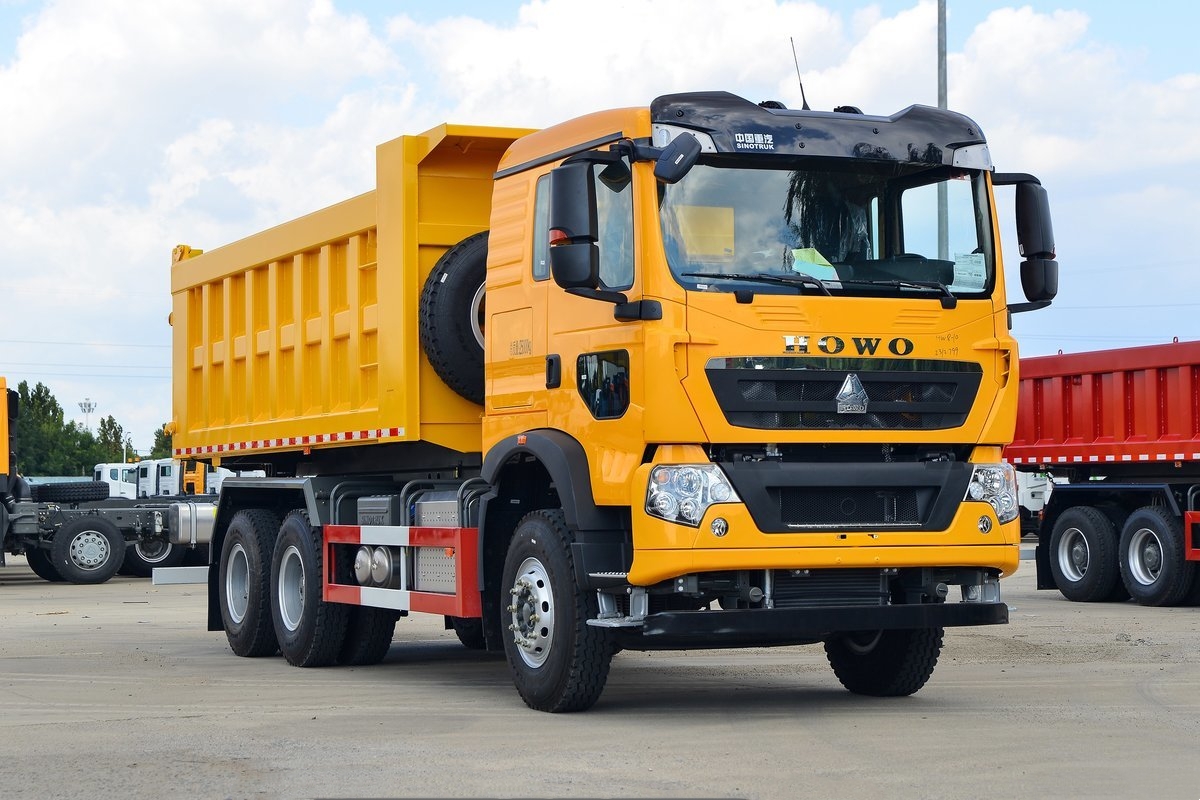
(291, 588)
(1074, 555)
(153, 551)
(862, 642)
(237, 583)
(1145, 556)
(532, 612)
(477, 309)
(89, 550)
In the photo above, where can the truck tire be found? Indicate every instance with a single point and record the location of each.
(87, 549)
(884, 663)
(469, 631)
(73, 492)
(1153, 564)
(1083, 556)
(142, 557)
(310, 630)
(244, 577)
(42, 566)
(558, 661)
(451, 316)
(369, 633)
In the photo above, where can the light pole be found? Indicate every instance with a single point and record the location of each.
(942, 211)
(87, 407)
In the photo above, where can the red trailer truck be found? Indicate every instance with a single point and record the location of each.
(1122, 428)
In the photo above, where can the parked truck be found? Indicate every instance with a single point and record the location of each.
(74, 531)
(729, 387)
(1120, 432)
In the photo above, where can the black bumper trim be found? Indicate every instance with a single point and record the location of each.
(757, 627)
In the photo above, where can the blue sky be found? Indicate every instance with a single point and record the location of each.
(133, 125)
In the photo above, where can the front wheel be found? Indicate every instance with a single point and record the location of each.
(88, 550)
(1154, 565)
(558, 661)
(885, 663)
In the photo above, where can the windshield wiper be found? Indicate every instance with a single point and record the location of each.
(947, 297)
(794, 279)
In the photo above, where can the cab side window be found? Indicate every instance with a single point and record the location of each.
(541, 229)
(614, 212)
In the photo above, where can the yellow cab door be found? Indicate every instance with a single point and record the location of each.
(598, 398)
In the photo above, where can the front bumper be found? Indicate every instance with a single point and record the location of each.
(783, 626)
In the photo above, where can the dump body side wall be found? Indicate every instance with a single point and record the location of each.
(305, 336)
(1111, 411)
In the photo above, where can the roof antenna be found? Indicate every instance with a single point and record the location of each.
(803, 99)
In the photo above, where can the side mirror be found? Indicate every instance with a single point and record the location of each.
(574, 255)
(1035, 239)
(573, 202)
(1039, 279)
(677, 158)
(1035, 233)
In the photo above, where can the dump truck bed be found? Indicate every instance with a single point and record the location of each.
(1133, 405)
(305, 335)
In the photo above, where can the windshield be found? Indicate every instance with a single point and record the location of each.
(858, 228)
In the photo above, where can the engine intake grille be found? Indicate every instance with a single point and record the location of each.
(803, 393)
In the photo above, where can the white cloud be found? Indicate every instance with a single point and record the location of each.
(134, 125)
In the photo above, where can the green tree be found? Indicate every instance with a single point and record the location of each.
(42, 439)
(162, 443)
(46, 444)
(111, 441)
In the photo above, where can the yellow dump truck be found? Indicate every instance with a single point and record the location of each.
(707, 373)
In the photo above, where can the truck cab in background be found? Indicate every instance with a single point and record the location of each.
(121, 478)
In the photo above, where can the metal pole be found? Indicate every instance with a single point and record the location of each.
(87, 407)
(943, 214)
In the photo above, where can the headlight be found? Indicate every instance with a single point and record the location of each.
(683, 492)
(995, 484)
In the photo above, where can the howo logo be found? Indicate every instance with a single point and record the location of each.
(836, 345)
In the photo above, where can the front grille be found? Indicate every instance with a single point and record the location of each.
(817, 496)
(831, 587)
(803, 393)
(836, 507)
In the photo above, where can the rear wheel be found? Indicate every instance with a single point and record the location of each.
(1083, 555)
(369, 633)
(310, 630)
(142, 557)
(558, 661)
(42, 566)
(885, 663)
(469, 631)
(1154, 566)
(244, 576)
(88, 550)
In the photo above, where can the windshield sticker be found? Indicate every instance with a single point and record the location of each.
(754, 141)
(970, 275)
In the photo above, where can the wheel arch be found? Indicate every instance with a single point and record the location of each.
(536, 470)
(278, 495)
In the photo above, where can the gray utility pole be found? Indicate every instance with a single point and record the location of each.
(943, 216)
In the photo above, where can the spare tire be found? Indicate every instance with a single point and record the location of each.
(73, 492)
(451, 316)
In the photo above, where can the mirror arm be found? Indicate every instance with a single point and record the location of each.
(1018, 308)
